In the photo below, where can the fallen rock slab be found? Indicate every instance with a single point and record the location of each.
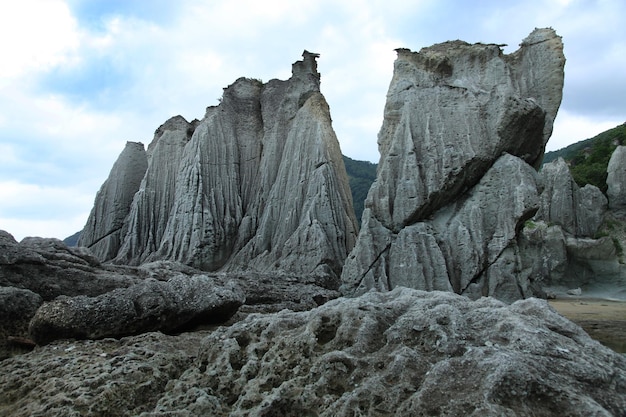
(148, 306)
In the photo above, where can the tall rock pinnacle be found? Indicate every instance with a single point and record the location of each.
(463, 127)
(103, 231)
(258, 183)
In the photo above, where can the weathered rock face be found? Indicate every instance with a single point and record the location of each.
(257, 184)
(50, 268)
(150, 211)
(616, 179)
(17, 306)
(102, 233)
(148, 306)
(403, 352)
(579, 211)
(447, 206)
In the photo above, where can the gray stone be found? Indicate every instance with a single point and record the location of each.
(580, 211)
(17, 306)
(150, 211)
(102, 232)
(403, 352)
(452, 111)
(50, 268)
(616, 179)
(457, 247)
(258, 184)
(148, 306)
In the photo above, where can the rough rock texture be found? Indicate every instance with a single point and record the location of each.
(616, 179)
(464, 124)
(258, 184)
(149, 213)
(579, 211)
(49, 268)
(398, 353)
(102, 233)
(148, 306)
(17, 306)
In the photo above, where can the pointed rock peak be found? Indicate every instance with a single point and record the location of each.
(134, 146)
(540, 35)
(173, 123)
(307, 68)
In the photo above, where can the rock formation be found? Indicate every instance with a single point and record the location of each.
(102, 233)
(49, 268)
(87, 299)
(616, 179)
(579, 211)
(258, 184)
(403, 352)
(148, 306)
(464, 125)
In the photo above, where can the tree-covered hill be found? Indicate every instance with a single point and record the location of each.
(589, 158)
(361, 175)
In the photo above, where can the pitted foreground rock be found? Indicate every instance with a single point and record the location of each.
(399, 353)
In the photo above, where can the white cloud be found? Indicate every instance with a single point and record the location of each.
(35, 210)
(571, 128)
(35, 35)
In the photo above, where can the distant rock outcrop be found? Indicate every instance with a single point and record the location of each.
(103, 231)
(616, 179)
(464, 127)
(258, 184)
(399, 353)
(579, 211)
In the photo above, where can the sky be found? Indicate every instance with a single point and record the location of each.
(79, 78)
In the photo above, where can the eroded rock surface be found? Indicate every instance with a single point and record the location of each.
(148, 306)
(403, 352)
(464, 126)
(50, 268)
(258, 184)
(616, 178)
(580, 211)
(103, 232)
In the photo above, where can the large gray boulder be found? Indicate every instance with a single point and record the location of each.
(148, 306)
(616, 179)
(258, 184)
(102, 233)
(397, 353)
(464, 127)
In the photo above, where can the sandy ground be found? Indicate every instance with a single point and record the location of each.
(604, 320)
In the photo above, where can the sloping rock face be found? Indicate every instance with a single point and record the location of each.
(102, 233)
(258, 184)
(397, 353)
(147, 220)
(616, 179)
(464, 126)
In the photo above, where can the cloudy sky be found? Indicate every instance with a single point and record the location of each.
(79, 78)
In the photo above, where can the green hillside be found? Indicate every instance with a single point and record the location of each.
(361, 175)
(589, 158)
